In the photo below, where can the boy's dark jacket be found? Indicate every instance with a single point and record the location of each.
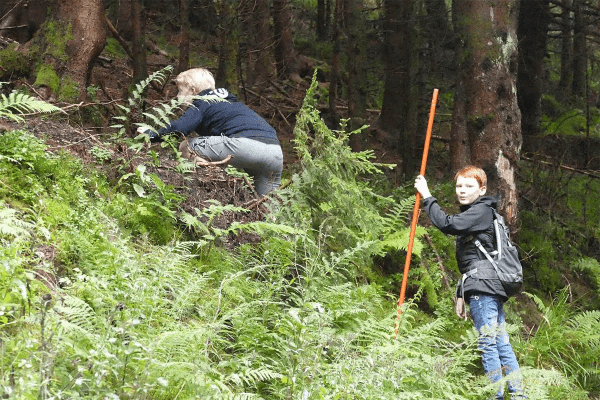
(475, 221)
(230, 118)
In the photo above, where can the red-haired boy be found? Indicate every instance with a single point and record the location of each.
(483, 291)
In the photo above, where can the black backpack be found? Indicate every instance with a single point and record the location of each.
(505, 259)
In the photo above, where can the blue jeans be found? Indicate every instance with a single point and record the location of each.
(496, 352)
(263, 162)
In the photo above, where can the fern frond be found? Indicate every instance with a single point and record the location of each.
(252, 376)
(538, 302)
(397, 216)
(587, 324)
(75, 314)
(12, 224)
(261, 227)
(159, 77)
(20, 103)
(157, 121)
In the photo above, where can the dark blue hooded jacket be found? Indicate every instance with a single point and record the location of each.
(475, 221)
(230, 118)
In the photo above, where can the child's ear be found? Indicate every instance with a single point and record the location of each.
(482, 190)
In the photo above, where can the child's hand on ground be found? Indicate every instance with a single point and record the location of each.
(154, 137)
(421, 186)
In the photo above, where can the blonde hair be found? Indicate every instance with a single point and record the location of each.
(473, 172)
(194, 81)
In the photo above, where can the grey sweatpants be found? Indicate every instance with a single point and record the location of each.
(263, 162)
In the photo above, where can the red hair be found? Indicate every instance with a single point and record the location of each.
(473, 172)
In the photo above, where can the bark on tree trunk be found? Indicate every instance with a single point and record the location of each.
(321, 27)
(566, 53)
(335, 63)
(534, 17)
(140, 66)
(284, 48)
(227, 72)
(493, 118)
(460, 154)
(184, 45)
(579, 49)
(89, 37)
(356, 49)
(440, 36)
(397, 111)
(257, 28)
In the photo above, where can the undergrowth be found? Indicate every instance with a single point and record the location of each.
(560, 229)
(92, 306)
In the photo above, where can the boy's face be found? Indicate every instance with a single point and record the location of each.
(468, 190)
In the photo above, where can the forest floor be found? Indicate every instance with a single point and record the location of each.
(277, 102)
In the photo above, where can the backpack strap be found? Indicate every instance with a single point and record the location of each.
(497, 229)
(488, 255)
(463, 279)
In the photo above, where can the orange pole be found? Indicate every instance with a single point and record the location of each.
(415, 217)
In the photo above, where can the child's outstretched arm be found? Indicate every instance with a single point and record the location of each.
(421, 186)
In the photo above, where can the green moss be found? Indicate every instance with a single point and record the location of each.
(69, 89)
(113, 49)
(65, 88)
(46, 76)
(56, 37)
(14, 62)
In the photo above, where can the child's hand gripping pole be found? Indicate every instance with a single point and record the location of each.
(415, 217)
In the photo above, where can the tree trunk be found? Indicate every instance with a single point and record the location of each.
(493, 118)
(460, 154)
(534, 17)
(284, 48)
(579, 49)
(397, 111)
(184, 45)
(140, 66)
(335, 63)
(440, 37)
(121, 17)
(86, 18)
(566, 53)
(257, 28)
(321, 27)
(356, 50)
(228, 73)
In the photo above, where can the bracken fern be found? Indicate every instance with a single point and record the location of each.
(20, 103)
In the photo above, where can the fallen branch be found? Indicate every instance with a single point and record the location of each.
(253, 203)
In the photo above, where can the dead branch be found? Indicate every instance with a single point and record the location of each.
(31, 88)
(7, 41)
(254, 203)
(205, 163)
(11, 10)
(251, 186)
(593, 174)
(439, 261)
(116, 35)
(198, 160)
